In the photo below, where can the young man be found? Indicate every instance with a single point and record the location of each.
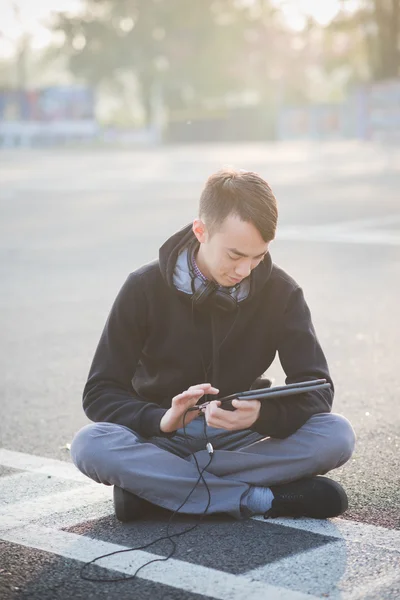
(207, 320)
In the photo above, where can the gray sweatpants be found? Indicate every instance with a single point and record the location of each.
(163, 471)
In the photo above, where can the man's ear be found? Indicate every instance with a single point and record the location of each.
(200, 230)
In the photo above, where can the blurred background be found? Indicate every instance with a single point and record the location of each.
(165, 71)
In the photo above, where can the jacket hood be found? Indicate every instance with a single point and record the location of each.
(170, 256)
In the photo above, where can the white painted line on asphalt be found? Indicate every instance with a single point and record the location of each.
(86, 514)
(322, 234)
(92, 493)
(375, 222)
(181, 575)
(41, 464)
(92, 501)
(108, 184)
(372, 586)
(351, 531)
(307, 571)
(19, 513)
(22, 486)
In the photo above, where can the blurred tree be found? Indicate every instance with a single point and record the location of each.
(180, 50)
(191, 55)
(375, 27)
(22, 51)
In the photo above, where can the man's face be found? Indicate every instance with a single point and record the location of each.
(232, 252)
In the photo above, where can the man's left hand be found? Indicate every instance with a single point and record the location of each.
(245, 415)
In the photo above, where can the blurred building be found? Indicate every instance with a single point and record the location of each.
(50, 115)
(370, 112)
(63, 114)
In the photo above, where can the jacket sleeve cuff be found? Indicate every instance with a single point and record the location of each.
(150, 422)
(271, 422)
(279, 418)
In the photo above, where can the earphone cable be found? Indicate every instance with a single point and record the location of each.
(168, 536)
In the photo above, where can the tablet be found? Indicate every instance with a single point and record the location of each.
(270, 392)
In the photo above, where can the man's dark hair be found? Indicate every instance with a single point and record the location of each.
(242, 193)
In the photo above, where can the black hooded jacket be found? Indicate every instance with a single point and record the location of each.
(155, 345)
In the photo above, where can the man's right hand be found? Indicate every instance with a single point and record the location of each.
(173, 418)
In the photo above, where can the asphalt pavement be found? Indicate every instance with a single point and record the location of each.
(74, 223)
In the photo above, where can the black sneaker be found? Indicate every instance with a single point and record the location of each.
(315, 497)
(127, 506)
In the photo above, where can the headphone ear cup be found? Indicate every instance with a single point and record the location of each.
(208, 293)
(224, 301)
(203, 293)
